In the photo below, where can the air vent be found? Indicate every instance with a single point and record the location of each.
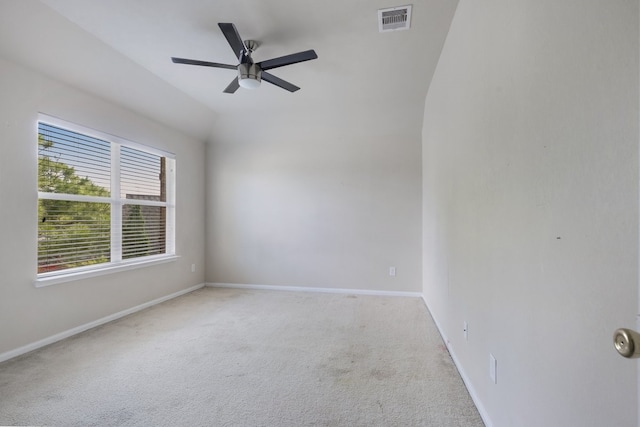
(395, 18)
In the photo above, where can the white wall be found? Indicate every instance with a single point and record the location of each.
(29, 314)
(530, 206)
(322, 198)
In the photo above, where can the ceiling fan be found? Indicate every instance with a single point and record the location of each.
(251, 73)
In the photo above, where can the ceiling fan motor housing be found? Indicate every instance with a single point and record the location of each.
(249, 75)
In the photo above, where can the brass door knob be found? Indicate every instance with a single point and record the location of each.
(627, 343)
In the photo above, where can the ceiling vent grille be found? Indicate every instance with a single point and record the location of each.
(395, 18)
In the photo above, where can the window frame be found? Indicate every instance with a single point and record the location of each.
(116, 202)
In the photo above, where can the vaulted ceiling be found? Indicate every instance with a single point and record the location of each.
(120, 50)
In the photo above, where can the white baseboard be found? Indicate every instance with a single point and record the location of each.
(323, 290)
(467, 382)
(66, 334)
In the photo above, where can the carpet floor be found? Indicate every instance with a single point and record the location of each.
(229, 357)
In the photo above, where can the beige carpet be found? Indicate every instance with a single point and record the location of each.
(224, 357)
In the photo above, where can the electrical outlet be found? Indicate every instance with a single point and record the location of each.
(493, 369)
(193, 268)
(466, 331)
(392, 271)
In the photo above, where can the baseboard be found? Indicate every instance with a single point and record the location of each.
(322, 290)
(66, 334)
(467, 382)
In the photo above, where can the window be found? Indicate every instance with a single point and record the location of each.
(103, 201)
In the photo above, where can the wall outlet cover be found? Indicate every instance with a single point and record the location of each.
(493, 369)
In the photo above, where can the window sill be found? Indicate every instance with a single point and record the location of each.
(55, 279)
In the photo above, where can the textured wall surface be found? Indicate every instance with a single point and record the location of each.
(530, 196)
(292, 201)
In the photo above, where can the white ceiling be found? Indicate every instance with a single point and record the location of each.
(121, 49)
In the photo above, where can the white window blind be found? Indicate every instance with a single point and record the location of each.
(143, 226)
(101, 199)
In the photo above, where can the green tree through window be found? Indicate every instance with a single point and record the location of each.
(70, 233)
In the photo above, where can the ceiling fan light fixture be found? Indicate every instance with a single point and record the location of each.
(249, 76)
(249, 83)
